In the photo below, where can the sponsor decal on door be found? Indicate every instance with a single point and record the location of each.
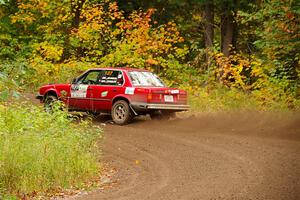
(79, 91)
(104, 94)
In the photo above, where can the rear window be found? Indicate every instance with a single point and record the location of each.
(140, 78)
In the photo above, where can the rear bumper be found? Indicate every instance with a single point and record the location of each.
(146, 106)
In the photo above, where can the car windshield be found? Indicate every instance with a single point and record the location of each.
(140, 78)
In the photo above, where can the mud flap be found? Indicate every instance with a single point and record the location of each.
(134, 112)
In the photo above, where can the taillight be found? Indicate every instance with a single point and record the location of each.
(149, 96)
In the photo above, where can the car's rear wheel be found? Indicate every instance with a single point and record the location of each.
(162, 115)
(49, 102)
(121, 112)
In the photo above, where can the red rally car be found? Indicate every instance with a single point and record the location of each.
(122, 92)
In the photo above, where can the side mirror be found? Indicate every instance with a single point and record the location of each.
(74, 80)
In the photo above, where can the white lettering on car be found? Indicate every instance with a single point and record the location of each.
(174, 91)
(129, 90)
(78, 91)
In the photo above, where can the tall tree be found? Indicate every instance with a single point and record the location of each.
(280, 39)
(208, 15)
(228, 26)
(209, 23)
(76, 9)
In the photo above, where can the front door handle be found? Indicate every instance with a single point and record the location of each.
(90, 89)
(114, 90)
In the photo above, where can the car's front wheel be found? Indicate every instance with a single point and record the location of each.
(49, 102)
(121, 112)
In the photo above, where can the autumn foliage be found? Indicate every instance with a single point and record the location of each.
(104, 36)
(227, 55)
(53, 41)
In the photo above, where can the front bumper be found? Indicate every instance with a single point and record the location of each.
(40, 97)
(158, 106)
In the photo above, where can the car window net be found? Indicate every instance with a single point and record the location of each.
(110, 77)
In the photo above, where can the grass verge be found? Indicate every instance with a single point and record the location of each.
(215, 99)
(41, 152)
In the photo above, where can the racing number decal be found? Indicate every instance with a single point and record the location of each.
(78, 91)
(108, 73)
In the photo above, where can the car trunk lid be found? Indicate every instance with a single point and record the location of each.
(167, 96)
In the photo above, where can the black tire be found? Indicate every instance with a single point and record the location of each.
(121, 112)
(162, 115)
(48, 103)
(93, 114)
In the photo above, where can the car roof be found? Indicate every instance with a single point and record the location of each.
(119, 68)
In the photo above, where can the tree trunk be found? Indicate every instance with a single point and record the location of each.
(209, 24)
(76, 7)
(208, 30)
(228, 29)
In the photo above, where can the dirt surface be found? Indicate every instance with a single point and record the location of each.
(223, 156)
(213, 156)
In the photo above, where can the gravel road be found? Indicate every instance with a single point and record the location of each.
(217, 156)
(213, 156)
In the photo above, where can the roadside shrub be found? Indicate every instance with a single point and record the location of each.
(7, 87)
(240, 71)
(46, 72)
(217, 97)
(240, 82)
(41, 152)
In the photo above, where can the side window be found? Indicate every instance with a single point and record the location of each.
(90, 79)
(110, 77)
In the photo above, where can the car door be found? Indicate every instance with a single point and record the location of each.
(82, 91)
(109, 85)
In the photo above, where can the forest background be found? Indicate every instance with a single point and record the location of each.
(228, 54)
(232, 54)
